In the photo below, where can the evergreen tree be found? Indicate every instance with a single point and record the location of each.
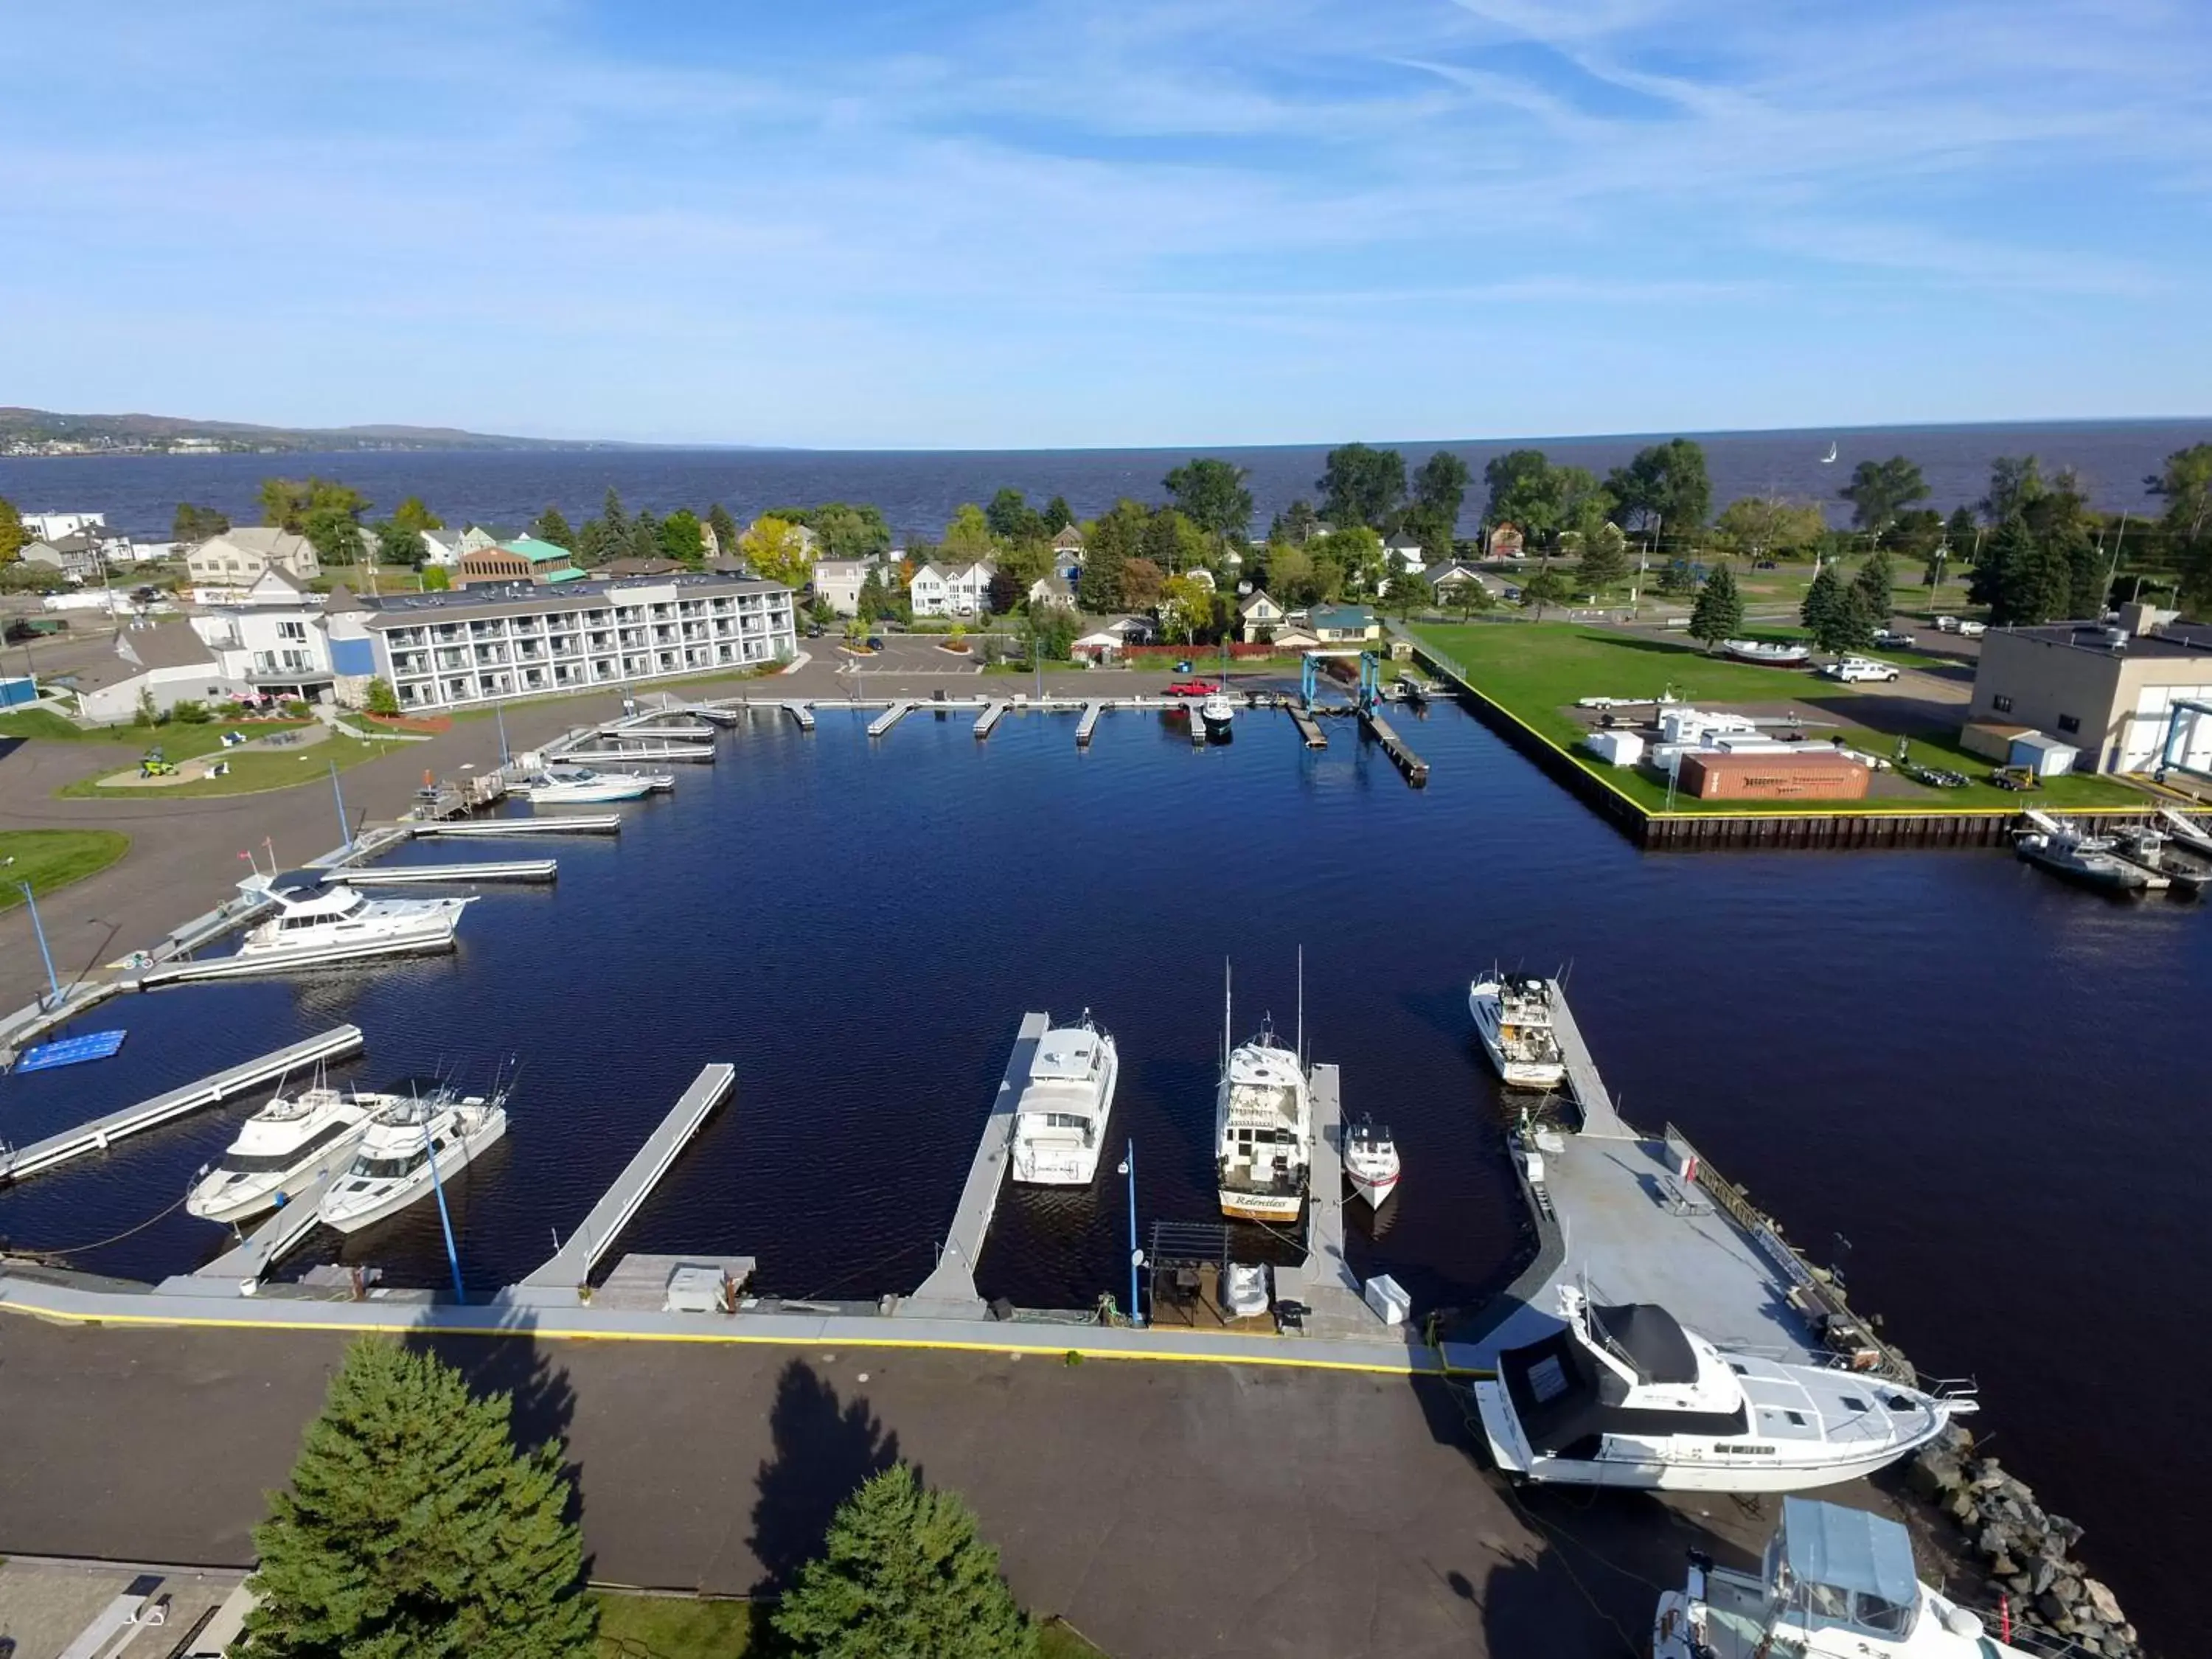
(725, 530)
(1718, 613)
(617, 521)
(681, 539)
(642, 539)
(550, 526)
(904, 1576)
(414, 1526)
(1851, 628)
(1057, 515)
(1873, 585)
(594, 544)
(1605, 557)
(1823, 607)
(2001, 571)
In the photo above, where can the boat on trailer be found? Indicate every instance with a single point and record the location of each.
(1770, 654)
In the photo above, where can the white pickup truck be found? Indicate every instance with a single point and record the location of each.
(1860, 668)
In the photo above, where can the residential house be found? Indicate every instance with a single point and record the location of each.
(1295, 637)
(482, 538)
(1107, 643)
(1068, 554)
(1260, 618)
(1052, 590)
(962, 590)
(1403, 553)
(237, 558)
(1344, 624)
(837, 582)
(274, 640)
(52, 526)
(168, 660)
(525, 559)
(72, 556)
(1448, 578)
(1506, 542)
(442, 548)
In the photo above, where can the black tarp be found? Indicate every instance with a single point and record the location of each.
(1566, 1401)
(1648, 1338)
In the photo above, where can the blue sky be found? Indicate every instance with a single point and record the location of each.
(1142, 221)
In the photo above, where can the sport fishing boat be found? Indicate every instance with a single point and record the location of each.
(321, 920)
(2186, 872)
(1262, 1126)
(1218, 712)
(1624, 1396)
(580, 786)
(282, 1150)
(1772, 653)
(1513, 1015)
(1370, 1162)
(2088, 860)
(1833, 1581)
(1060, 1121)
(393, 1167)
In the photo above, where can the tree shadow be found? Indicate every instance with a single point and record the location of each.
(822, 1452)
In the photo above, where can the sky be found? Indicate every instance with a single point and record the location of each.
(1033, 223)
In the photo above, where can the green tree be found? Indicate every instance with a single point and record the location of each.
(1875, 584)
(1471, 596)
(1916, 532)
(293, 503)
(1212, 495)
(1525, 492)
(1439, 492)
(1854, 623)
(1718, 614)
(1360, 485)
(398, 544)
(644, 541)
(382, 699)
(1761, 526)
(147, 713)
(12, 536)
(903, 1575)
(1410, 591)
(725, 530)
(683, 537)
(1143, 582)
(1664, 488)
(551, 526)
(1290, 575)
(847, 532)
(1114, 538)
(334, 534)
(1585, 505)
(1011, 517)
(1295, 525)
(2186, 484)
(596, 545)
(1879, 491)
(1057, 515)
(1358, 553)
(415, 1527)
(1822, 609)
(613, 519)
(415, 516)
(1173, 542)
(969, 536)
(2015, 485)
(2000, 568)
(1186, 607)
(1604, 558)
(777, 552)
(190, 525)
(434, 579)
(1547, 588)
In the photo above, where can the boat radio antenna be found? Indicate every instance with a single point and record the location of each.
(1301, 1006)
(1228, 1004)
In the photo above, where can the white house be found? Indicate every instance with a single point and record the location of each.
(952, 590)
(72, 556)
(837, 582)
(274, 640)
(1106, 644)
(168, 660)
(237, 558)
(1260, 616)
(482, 538)
(1052, 589)
(52, 526)
(1448, 578)
(1404, 553)
(442, 548)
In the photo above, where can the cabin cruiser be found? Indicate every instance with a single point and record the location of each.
(1774, 653)
(1832, 1581)
(2090, 860)
(282, 1150)
(580, 786)
(1263, 1131)
(1513, 1012)
(394, 1169)
(2152, 850)
(1217, 712)
(1370, 1160)
(1060, 1121)
(1624, 1396)
(319, 919)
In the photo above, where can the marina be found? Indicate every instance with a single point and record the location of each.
(950, 1290)
(418, 875)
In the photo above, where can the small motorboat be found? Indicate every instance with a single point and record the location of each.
(393, 1167)
(2187, 874)
(1772, 653)
(1218, 712)
(1060, 1121)
(580, 786)
(1513, 1015)
(1370, 1162)
(2192, 833)
(321, 920)
(2087, 861)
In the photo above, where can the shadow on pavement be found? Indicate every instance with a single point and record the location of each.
(822, 1452)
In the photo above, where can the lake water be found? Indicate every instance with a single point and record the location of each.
(919, 490)
(1985, 1081)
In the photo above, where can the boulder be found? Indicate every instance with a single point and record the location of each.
(2043, 1572)
(2102, 1602)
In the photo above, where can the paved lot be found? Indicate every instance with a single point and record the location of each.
(1169, 1510)
(46, 1606)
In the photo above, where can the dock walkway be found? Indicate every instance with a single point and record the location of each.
(1089, 724)
(1599, 1117)
(891, 716)
(992, 713)
(548, 824)
(418, 875)
(336, 1043)
(252, 1257)
(571, 1265)
(949, 1292)
(1324, 1281)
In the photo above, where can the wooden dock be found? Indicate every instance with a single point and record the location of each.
(419, 875)
(549, 823)
(992, 713)
(1089, 724)
(337, 1043)
(1415, 769)
(1309, 728)
(570, 1267)
(891, 716)
(949, 1291)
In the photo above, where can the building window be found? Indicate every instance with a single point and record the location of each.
(2069, 723)
(2003, 705)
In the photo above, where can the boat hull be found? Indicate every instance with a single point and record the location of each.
(1261, 1206)
(347, 1214)
(416, 942)
(1376, 1192)
(1065, 1163)
(237, 1201)
(1515, 1073)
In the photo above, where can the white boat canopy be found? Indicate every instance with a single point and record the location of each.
(1848, 1549)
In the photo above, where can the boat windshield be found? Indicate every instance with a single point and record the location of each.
(390, 1168)
(270, 1162)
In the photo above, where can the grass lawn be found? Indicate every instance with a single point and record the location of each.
(179, 740)
(51, 858)
(250, 773)
(1538, 671)
(675, 1627)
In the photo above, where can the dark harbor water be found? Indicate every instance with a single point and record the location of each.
(1990, 1084)
(918, 490)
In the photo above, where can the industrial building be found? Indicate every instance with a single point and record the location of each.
(2133, 696)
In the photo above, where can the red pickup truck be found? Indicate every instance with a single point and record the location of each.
(1193, 689)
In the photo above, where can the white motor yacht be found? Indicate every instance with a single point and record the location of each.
(282, 1150)
(1513, 1012)
(1218, 712)
(1262, 1130)
(392, 1169)
(580, 786)
(1371, 1161)
(1060, 1122)
(320, 920)
(1624, 1396)
(1833, 1581)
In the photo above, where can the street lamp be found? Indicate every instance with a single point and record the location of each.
(52, 998)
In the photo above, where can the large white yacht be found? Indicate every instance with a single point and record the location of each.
(1513, 1014)
(282, 1150)
(323, 921)
(580, 786)
(1060, 1122)
(392, 1170)
(1833, 1581)
(1262, 1125)
(1624, 1396)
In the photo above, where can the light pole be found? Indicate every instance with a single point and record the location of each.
(54, 986)
(1136, 1256)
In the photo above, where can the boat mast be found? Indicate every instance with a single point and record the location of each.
(1226, 1003)
(1301, 1006)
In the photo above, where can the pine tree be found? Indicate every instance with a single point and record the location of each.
(1851, 628)
(1719, 611)
(414, 1526)
(550, 526)
(1823, 607)
(904, 1576)
(1874, 583)
(611, 514)
(2004, 572)
(725, 530)
(1604, 557)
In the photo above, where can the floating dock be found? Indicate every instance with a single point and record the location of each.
(434, 874)
(802, 714)
(1324, 1281)
(1600, 1119)
(96, 1136)
(570, 1267)
(1415, 769)
(1089, 724)
(949, 1292)
(658, 725)
(551, 824)
(703, 753)
(891, 716)
(252, 1257)
(1309, 728)
(993, 712)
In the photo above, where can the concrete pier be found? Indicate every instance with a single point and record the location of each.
(334, 1044)
(949, 1292)
(800, 713)
(992, 713)
(639, 750)
(1599, 1117)
(571, 1265)
(260, 1250)
(891, 716)
(435, 874)
(1324, 1282)
(551, 823)
(1089, 724)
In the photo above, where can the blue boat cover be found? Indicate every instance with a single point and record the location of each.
(70, 1051)
(1849, 1550)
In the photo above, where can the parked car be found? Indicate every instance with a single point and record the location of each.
(875, 642)
(1946, 624)
(1193, 689)
(1972, 630)
(1891, 639)
(1860, 668)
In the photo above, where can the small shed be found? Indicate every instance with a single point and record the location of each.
(1990, 739)
(21, 689)
(2047, 758)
